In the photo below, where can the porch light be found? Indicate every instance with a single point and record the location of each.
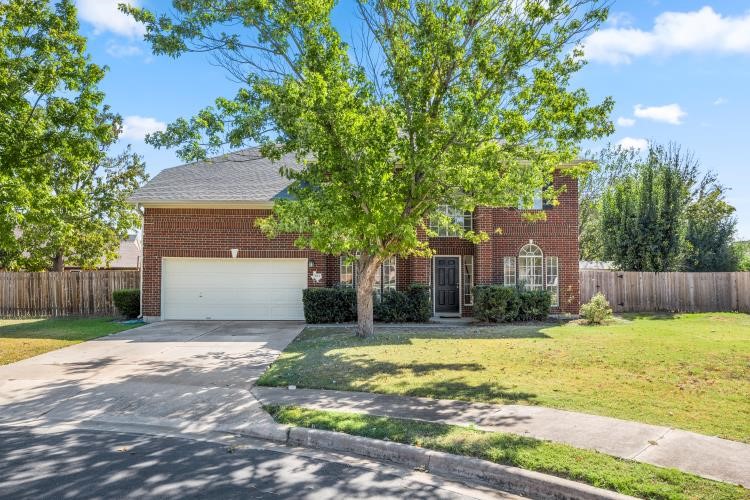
(310, 263)
(234, 251)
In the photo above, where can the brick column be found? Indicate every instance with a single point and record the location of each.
(484, 253)
(420, 266)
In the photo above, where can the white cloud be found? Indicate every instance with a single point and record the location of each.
(625, 122)
(702, 30)
(669, 113)
(633, 143)
(720, 100)
(136, 127)
(120, 50)
(105, 16)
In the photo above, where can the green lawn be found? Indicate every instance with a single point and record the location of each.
(625, 476)
(690, 371)
(24, 338)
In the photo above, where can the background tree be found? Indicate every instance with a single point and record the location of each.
(659, 213)
(741, 251)
(83, 217)
(642, 217)
(710, 229)
(459, 102)
(58, 190)
(613, 164)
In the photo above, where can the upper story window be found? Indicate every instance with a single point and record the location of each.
(463, 219)
(537, 201)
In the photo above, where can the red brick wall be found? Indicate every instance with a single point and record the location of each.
(197, 232)
(556, 236)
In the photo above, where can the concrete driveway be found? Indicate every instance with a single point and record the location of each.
(191, 376)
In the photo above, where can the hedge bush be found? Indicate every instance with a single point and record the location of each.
(330, 305)
(401, 307)
(128, 302)
(421, 305)
(534, 305)
(496, 303)
(339, 305)
(499, 304)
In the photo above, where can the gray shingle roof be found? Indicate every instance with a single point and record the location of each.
(239, 176)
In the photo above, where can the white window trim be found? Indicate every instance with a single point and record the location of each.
(342, 265)
(555, 302)
(470, 285)
(509, 279)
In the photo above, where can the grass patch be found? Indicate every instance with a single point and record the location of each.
(604, 471)
(24, 338)
(690, 371)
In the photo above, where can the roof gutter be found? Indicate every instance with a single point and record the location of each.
(144, 203)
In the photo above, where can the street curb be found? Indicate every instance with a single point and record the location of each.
(511, 479)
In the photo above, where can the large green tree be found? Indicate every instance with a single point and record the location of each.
(613, 164)
(459, 102)
(709, 232)
(626, 214)
(58, 189)
(642, 218)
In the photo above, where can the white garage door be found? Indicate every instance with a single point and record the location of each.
(252, 289)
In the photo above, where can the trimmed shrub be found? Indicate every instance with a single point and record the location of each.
(330, 305)
(128, 302)
(400, 307)
(495, 303)
(533, 305)
(499, 304)
(393, 307)
(339, 305)
(597, 310)
(421, 306)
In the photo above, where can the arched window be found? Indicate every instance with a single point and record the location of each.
(531, 267)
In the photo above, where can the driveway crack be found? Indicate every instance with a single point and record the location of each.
(651, 444)
(223, 323)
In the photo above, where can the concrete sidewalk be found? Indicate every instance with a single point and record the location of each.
(706, 456)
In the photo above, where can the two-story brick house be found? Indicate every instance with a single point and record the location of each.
(204, 257)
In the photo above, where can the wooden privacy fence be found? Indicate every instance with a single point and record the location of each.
(70, 293)
(686, 292)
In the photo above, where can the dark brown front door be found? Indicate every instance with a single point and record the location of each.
(446, 285)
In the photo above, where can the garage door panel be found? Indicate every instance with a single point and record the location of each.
(235, 280)
(253, 289)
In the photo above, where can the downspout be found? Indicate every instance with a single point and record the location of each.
(140, 267)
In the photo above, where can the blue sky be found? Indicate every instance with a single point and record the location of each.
(678, 70)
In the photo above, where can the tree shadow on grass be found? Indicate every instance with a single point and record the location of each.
(358, 372)
(403, 335)
(656, 315)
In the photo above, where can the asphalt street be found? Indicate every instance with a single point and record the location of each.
(78, 464)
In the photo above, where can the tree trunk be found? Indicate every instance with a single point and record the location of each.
(58, 263)
(367, 268)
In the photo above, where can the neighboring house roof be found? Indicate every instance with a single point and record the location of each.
(241, 176)
(596, 265)
(129, 255)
